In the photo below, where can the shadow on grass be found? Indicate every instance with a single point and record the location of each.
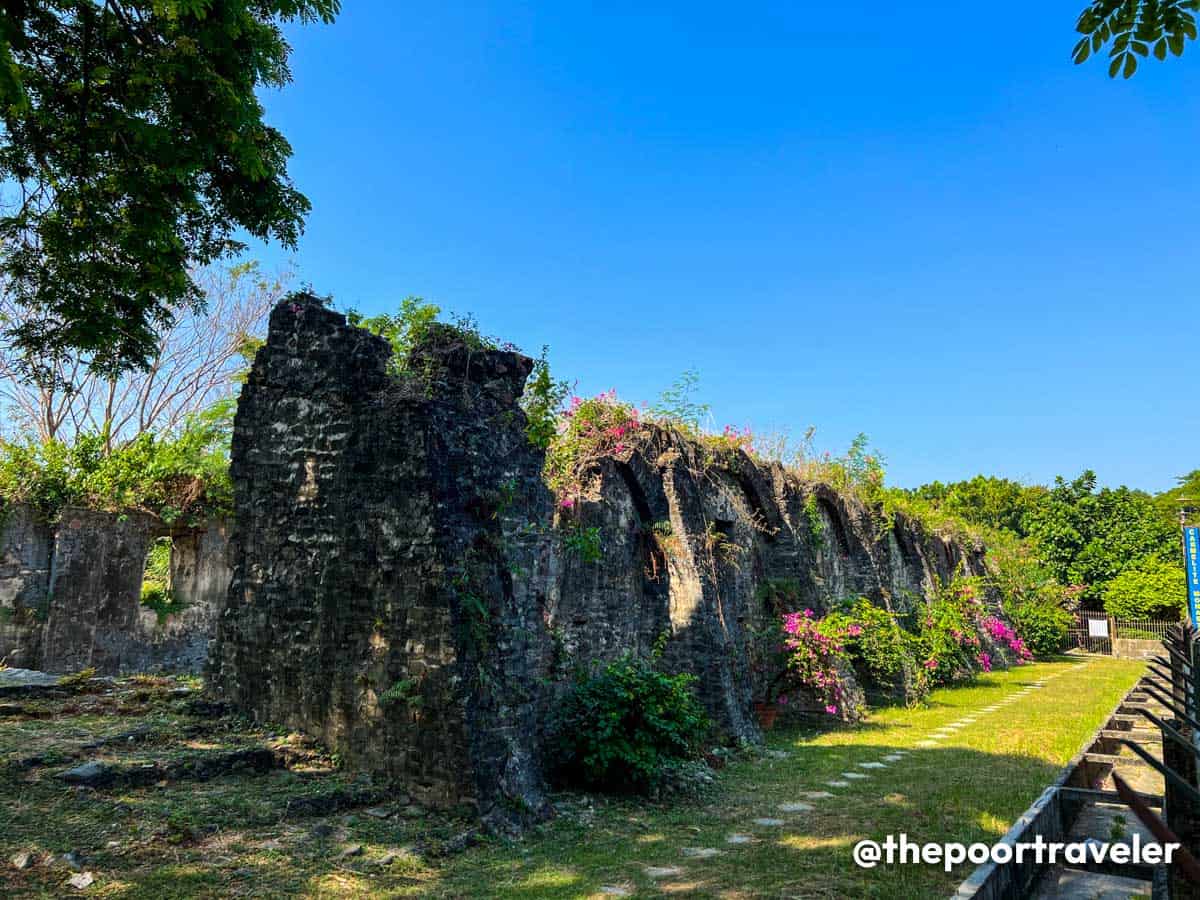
(945, 794)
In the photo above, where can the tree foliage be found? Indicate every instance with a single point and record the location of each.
(1153, 589)
(1133, 29)
(133, 149)
(983, 500)
(1088, 537)
(1184, 497)
(184, 475)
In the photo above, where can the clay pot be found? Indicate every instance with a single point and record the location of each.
(766, 713)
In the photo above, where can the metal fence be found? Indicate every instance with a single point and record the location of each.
(1094, 632)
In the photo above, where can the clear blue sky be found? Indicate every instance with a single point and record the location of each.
(916, 220)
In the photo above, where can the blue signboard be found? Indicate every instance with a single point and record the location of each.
(1191, 552)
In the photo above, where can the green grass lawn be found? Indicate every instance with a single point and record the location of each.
(970, 787)
(235, 835)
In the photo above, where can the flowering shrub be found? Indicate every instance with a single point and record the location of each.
(880, 649)
(1042, 625)
(816, 659)
(798, 652)
(729, 442)
(588, 430)
(1003, 633)
(942, 643)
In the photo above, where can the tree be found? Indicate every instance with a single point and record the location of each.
(133, 149)
(1184, 497)
(195, 364)
(1088, 537)
(984, 500)
(1135, 28)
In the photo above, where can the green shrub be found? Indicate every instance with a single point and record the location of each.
(541, 401)
(619, 729)
(184, 474)
(1153, 589)
(1042, 625)
(883, 653)
(403, 330)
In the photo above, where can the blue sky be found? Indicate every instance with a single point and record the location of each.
(917, 220)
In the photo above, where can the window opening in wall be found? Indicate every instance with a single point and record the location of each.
(157, 592)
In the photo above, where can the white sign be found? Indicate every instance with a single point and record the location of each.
(1097, 628)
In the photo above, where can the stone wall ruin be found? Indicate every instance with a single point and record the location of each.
(70, 592)
(401, 584)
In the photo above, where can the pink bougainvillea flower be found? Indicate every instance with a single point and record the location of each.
(854, 630)
(985, 662)
(931, 663)
(567, 502)
(831, 709)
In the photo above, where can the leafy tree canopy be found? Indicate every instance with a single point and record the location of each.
(133, 148)
(1184, 497)
(984, 500)
(1088, 536)
(1133, 29)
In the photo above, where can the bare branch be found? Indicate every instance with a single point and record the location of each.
(198, 360)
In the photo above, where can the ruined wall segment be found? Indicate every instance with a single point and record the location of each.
(406, 588)
(70, 592)
(26, 547)
(385, 581)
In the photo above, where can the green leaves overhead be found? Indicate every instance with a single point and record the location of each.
(133, 150)
(1133, 29)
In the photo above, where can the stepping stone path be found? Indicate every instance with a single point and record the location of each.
(657, 872)
(738, 839)
(610, 890)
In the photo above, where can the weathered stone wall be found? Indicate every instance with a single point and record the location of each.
(732, 526)
(70, 593)
(26, 546)
(378, 544)
(402, 586)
